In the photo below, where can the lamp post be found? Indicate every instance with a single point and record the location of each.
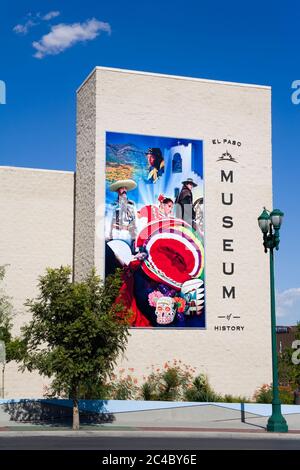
(270, 223)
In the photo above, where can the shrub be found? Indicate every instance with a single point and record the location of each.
(286, 395)
(200, 390)
(168, 384)
(124, 387)
(234, 399)
(265, 394)
(174, 382)
(147, 391)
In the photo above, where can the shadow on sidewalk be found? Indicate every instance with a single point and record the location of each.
(42, 412)
(243, 419)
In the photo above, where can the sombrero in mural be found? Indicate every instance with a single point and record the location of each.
(175, 252)
(129, 184)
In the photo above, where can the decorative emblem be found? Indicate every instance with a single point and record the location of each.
(226, 157)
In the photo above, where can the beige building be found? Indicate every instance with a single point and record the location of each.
(36, 212)
(43, 227)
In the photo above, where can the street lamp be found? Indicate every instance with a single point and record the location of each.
(270, 223)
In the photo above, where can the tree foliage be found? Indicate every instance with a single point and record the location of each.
(6, 323)
(76, 332)
(288, 372)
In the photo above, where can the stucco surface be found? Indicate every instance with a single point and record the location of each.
(139, 103)
(36, 213)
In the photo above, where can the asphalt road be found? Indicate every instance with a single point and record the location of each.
(146, 443)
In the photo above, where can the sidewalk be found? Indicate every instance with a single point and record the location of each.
(109, 417)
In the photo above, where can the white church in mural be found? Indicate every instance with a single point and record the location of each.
(180, 164)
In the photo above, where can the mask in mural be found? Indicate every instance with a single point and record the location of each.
(193, 293)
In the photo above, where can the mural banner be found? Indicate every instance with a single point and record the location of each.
(154, 228)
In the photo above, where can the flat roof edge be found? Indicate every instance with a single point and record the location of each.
(21, 168)
(176, 77)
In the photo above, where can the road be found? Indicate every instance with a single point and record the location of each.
(100, 442)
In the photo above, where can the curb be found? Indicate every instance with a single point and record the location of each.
(158, 433)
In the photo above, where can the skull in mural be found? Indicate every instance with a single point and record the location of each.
(165, 310)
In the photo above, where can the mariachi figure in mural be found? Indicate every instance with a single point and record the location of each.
(123, 222)
(199, 215)
(184, 202)
(156, 164)
(198, 210)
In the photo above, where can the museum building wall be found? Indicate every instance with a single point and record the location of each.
(46, 221)
(234, 119)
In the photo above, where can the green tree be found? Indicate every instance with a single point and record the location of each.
(6, 323)
(76, 332)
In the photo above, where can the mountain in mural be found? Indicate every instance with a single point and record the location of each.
(125, 161)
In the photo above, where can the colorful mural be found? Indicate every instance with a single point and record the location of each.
(154, 228)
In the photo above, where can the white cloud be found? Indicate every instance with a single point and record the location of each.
(34, 20)
(50, 15)
(63, 36)
(288, 306)
(24, 28)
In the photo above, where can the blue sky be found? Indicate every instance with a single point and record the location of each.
(255, 42)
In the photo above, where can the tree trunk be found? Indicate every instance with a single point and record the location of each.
(75, 414)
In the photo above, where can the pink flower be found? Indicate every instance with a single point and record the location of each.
(153, 297)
